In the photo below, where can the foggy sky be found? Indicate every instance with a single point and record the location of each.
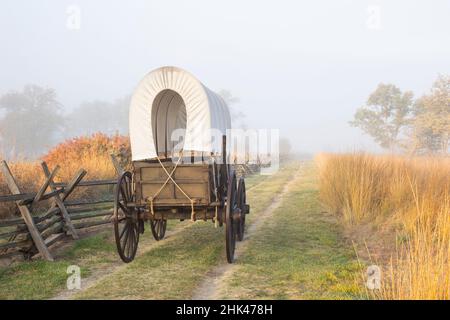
(302, 67)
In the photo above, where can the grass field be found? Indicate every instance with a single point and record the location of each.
(298, 252)
(406, 200)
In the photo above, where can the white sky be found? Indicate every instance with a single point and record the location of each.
(301, 66)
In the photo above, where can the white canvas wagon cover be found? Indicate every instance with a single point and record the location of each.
(171, 98)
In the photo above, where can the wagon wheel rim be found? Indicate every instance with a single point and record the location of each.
(231, 227)
(126, 219)
(241, 200)
(158, 228)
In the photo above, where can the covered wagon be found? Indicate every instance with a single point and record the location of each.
(180, 168)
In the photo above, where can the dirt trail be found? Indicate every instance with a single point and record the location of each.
(98, 275)
(210, 287)
(213, 284)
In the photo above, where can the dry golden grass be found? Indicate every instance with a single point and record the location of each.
(411, 193)
(91, 153)
(28, 177)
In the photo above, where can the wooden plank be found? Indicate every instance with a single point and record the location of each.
(46, 196)
(27, 198)
(18, 244)
(54, 238)
(44, 224)
(44, 187)
(58, 202)
(87, 215)
(26, 214)
(10, 254)
(11, 222)
(90, 183)
(50, 213)
(83, 203)
(56, 228)
(88, 208)
(17, 197)
(7, 235)
(117, 166)
(73, 183)
(81, 225)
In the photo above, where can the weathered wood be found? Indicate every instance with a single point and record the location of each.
(83, 203)
(73, 183)
(88, 208)
(14, 233)
(46, 196)
(91, 214)
(41, 226)
(58, 202)
(19, 244)
(87, 224)
(50, 213)
(10, 254)
(48, 223)
(17, 197)
(54, 238)
(56, 228)
(26, 198)
(11, 222)
(117, 166)
(90, 183)
(38, 241)
(44, 187)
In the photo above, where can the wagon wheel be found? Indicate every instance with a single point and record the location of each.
(127, 226)
(241, 201)
(230, 220)
(158, 228)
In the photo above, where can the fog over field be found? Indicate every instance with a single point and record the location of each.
(302, 67)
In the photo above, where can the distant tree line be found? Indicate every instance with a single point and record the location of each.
(398, 122)
(33, 120)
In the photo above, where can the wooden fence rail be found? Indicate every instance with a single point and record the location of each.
(33, 233)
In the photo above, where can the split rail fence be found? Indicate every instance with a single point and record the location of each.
(34, 232)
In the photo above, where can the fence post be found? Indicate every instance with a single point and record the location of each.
(58, 202)
(26, 215)
(117, 166)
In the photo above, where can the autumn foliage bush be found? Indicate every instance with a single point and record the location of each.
(91, 153)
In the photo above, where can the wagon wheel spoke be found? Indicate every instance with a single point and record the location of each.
(158, 228)
(130, 241)
(126, 223)
(231, 228)
(123, 207)
(124, 194)
(241, 202)
(125, 227)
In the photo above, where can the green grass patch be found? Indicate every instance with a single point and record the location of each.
(42, 279)
(298, 253)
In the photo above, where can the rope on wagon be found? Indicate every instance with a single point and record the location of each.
(169, 177)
